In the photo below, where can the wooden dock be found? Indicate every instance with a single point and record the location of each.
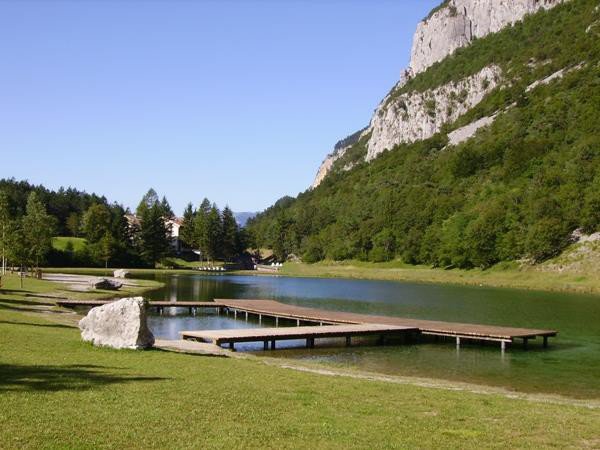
(159, 305)
(327, 319)
(457, 331)
(309, 333)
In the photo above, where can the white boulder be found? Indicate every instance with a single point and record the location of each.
(121, 273)
(120, 324)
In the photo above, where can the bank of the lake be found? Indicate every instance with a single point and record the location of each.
(508, 275)
(57, 391)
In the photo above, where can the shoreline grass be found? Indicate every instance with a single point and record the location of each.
(503, 276)
(79, 396)
(509, 276)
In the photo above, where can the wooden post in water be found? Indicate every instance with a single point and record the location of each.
(266, 345)
(545, 341)
(276, 322)
(246, 316)
(457, 342)
(273, 344)
(297, 322)
(260, 319)
(348, 341)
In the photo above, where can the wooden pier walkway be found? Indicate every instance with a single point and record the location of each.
(159, 305)
(327, 319)
(458, 331)
(310, 333)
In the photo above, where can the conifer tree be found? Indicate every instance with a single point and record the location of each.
(229, 235)
(186, 233)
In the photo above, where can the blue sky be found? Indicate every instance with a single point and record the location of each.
(235, 101)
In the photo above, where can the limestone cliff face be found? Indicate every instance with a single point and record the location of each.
(414, 116)
(460, 21)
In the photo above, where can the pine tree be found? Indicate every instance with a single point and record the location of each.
(214, 228)
(186, 233)
(154, 234)
(166, 208)
(229, 235)
(200, 227)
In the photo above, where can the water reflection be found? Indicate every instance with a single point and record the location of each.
(570, 366)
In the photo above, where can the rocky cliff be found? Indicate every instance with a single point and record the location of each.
(418, 115)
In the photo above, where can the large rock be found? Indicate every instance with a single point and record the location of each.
(120, 324)
(121, 273)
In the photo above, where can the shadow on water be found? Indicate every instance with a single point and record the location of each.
(18, 378)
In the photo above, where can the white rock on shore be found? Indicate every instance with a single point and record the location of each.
(120, 324)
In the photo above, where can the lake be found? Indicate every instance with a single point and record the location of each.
(570, 366)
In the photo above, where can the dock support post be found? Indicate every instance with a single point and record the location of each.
(246, 316)
(191, 310)
(545, 341)
(259, 319)
(266, 345)
(457, 342)
(218, 311)
(276, 321)
(320, 324)
(297, 322)
(348, 341)
(503, 346)
(525, 341)
(232, 346)
(235, 314)
(273, 344)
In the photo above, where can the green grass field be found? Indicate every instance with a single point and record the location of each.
(61, 242)
(58, 392)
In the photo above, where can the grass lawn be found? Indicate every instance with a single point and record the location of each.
(503, 275)
(61, 242)
(58, 392)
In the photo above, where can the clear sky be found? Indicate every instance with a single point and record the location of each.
(238, 101)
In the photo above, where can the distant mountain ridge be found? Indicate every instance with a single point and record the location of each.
(243, 217)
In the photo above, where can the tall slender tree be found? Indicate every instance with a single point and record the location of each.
(155, 234)
(186, 233)
(38, 228)
(214, 228)
(229, 235)
(201, 237)
(5, 222)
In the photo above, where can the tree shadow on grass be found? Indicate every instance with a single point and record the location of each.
(44, 325)
(22, 378)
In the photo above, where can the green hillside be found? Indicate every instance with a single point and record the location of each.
(515, 190)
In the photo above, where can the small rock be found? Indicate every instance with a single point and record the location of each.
(106, 284)
(120, 324)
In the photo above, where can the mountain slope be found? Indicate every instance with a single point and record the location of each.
(514, 188)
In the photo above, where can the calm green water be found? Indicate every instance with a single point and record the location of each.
(571, 366)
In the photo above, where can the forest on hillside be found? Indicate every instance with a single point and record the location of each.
(93, 232)
(516, 190)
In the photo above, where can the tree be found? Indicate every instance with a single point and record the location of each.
(166, 208)
(186, 233)
(38, 228)
(106, 249)
(200, 227)
(73, 224)
(148, 200)
(230, 235)
(96, 222)
(5, 223)
(155, 234)
(214, 235)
